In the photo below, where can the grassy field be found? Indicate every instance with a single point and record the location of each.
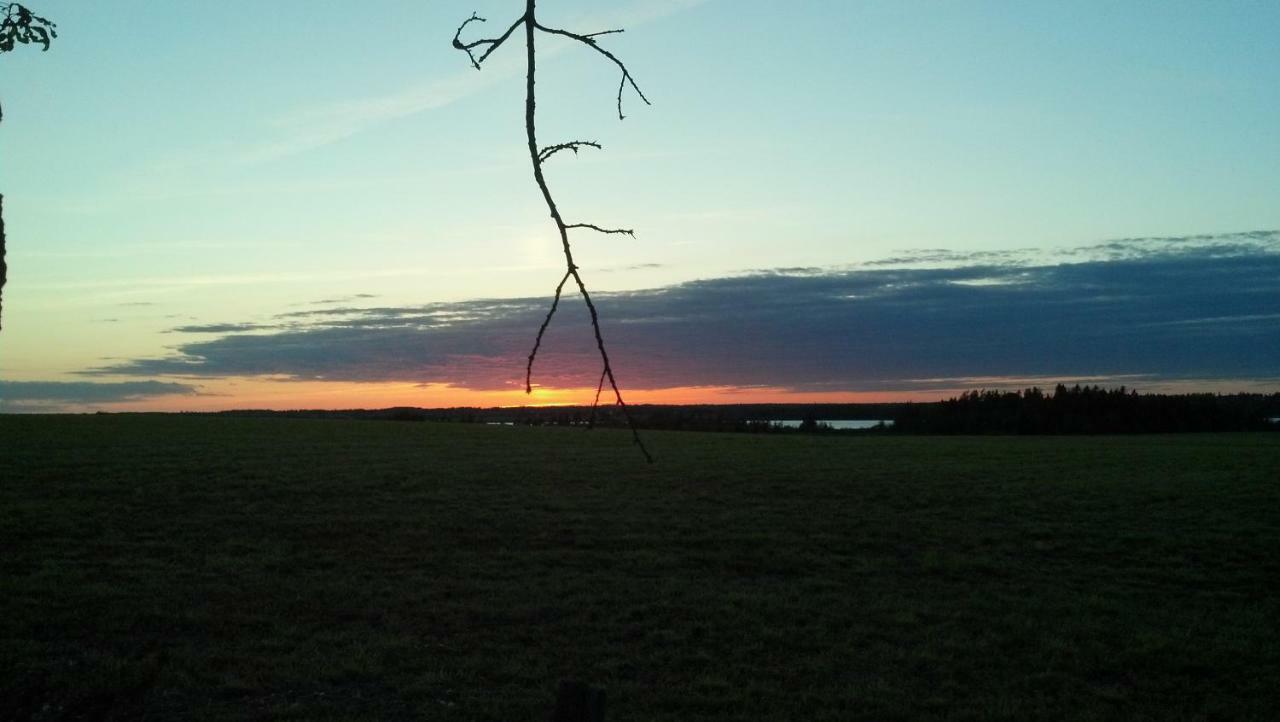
(187, 567)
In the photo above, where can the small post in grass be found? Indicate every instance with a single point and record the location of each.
(578, 702)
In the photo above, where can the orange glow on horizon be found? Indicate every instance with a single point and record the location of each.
(279, 394)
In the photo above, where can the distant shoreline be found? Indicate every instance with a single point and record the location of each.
(1075, 410)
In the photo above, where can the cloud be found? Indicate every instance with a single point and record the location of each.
(34, 396)
(1204, 310)
(634, 267)
(315, 127)
(344, 299)
(220, 328)
(1222, 244)
(320, 126)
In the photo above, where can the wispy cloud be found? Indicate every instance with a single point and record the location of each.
(634, 267)
(1210, 245)
(312, 128)
(1209, 312)
(315, 127)
(344, 299)
(220, 328)
(276, 277)
(635, 14)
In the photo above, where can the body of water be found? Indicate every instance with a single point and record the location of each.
(834, 423)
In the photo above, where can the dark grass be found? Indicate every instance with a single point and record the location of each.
(187, 567)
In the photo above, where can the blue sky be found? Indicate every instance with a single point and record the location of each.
(180, 164)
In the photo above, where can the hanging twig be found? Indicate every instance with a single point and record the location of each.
(591, 423)
(537, 342)
(589, 39)
(538, 156)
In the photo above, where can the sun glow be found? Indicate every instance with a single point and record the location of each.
(283, 394)
(277, 393)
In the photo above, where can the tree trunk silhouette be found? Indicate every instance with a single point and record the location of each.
(538, 156)
(4, 268)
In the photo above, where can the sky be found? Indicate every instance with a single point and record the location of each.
(321, 205)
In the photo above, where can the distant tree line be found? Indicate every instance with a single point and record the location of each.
(1088, 410)
(746, 418)
(1064, 410)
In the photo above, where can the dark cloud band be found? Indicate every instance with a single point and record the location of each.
(1195, 307)
(55, 395)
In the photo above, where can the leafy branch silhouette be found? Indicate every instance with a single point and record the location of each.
(478, 51)
(18, 26)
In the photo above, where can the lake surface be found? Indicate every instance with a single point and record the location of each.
(834, 423)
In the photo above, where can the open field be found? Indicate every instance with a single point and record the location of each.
(188, 567)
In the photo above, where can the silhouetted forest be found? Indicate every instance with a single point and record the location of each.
(1064, 410)
(1088, 410)
(754, 418)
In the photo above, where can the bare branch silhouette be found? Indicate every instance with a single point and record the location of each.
(596, 228)
(493, 43)
(589, 40)
(591, 422)
(572, 145)
(19, 26)
(537, 342)
(537, 157)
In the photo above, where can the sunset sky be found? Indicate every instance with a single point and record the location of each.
(294, 204)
